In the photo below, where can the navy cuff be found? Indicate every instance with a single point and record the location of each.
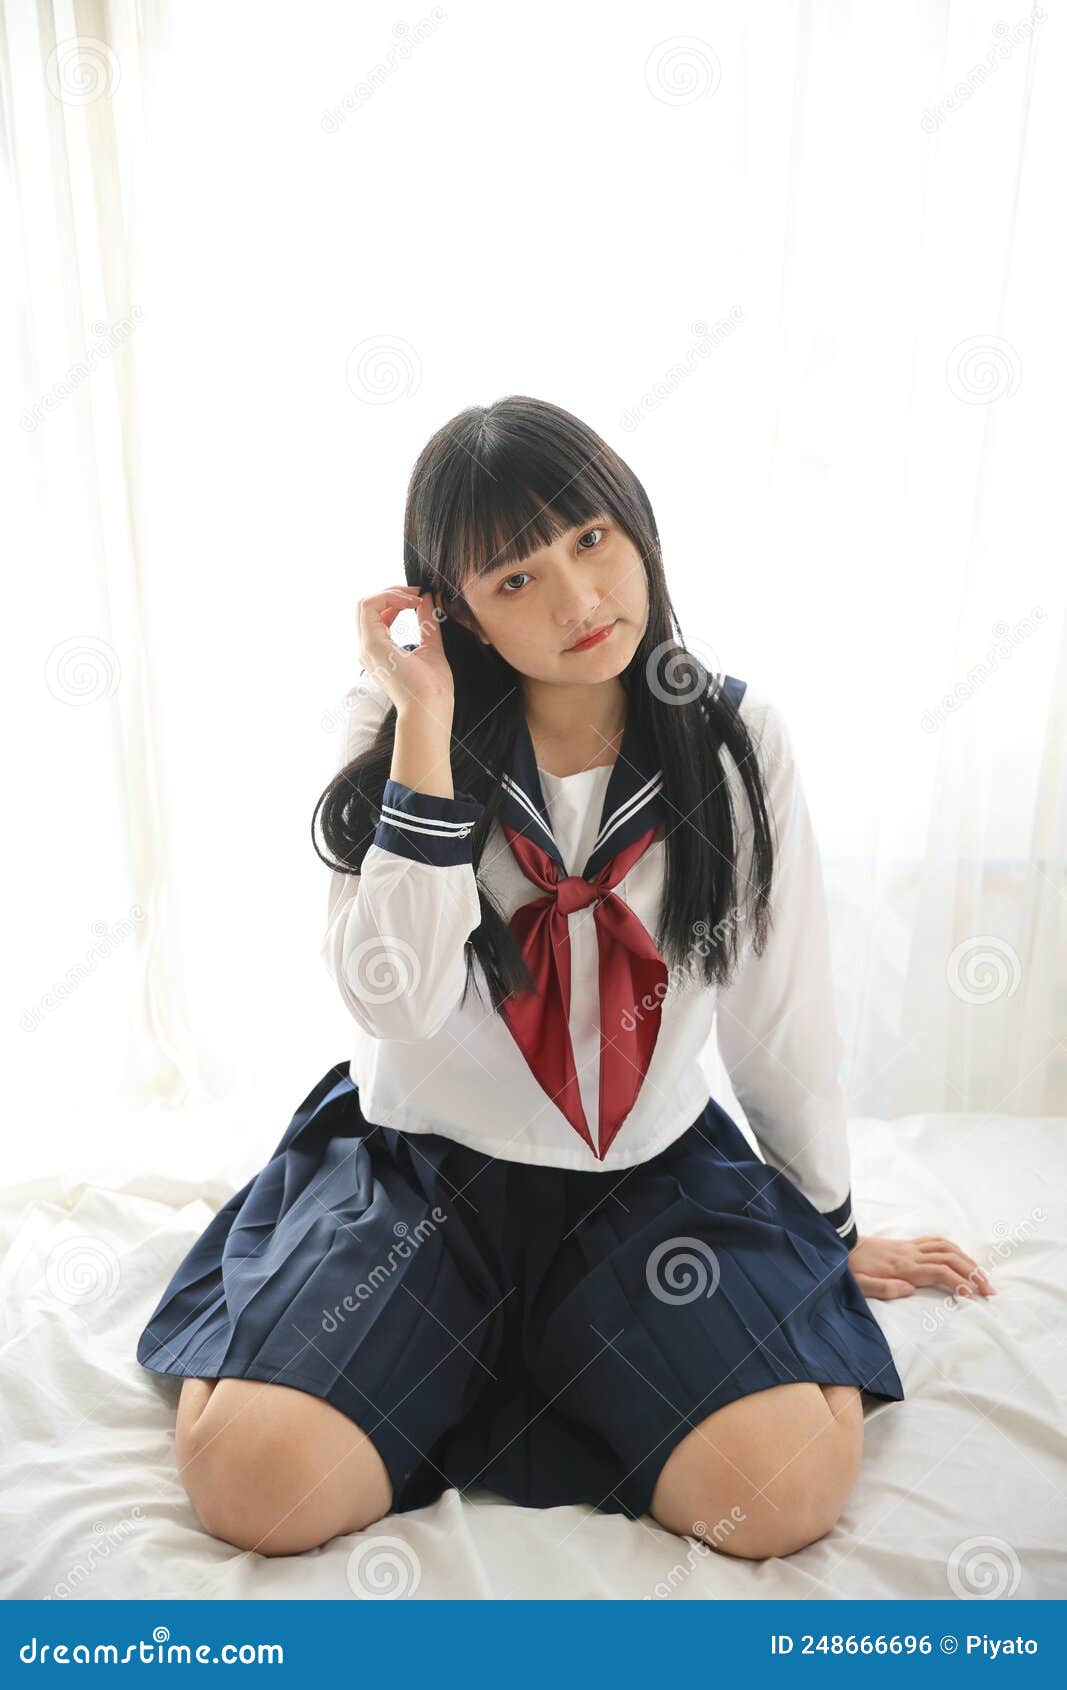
(425, 828)
(843, 1222)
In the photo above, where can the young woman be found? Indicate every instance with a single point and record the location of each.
(513, 1242)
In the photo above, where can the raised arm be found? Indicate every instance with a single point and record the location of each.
(396, 932)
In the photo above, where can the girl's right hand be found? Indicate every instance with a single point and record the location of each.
(422, 677)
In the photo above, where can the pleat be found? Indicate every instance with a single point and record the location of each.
(505, 1325)
(319, 1271)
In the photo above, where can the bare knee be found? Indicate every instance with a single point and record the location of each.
(764, 1476)
(268, 1473)
(792, 1511)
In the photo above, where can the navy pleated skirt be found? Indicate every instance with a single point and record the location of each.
(546, 1333)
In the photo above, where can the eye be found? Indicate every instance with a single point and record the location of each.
(504, 583)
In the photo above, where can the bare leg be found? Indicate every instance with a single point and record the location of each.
(194, 1399)
(275, 1469)
(768, 1473)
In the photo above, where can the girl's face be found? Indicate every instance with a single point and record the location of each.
(531, 612)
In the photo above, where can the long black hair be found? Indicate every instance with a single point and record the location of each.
(497, 483)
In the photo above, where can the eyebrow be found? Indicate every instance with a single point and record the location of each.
(598, 519)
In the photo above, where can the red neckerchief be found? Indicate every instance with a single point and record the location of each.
(631, 971)
(632, 976)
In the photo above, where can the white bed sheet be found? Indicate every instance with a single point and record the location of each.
(963, 1487)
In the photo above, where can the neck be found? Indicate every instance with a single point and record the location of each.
(558, 714)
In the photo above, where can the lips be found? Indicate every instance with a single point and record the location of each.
(593, 638)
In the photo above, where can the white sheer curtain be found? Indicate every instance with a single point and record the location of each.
(802, 269)
(96, 976)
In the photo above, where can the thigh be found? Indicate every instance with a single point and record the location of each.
(766, 1474)
(271, 1468)
(672, 1296)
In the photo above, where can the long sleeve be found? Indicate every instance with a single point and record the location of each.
(776, 1023)
(396, 931)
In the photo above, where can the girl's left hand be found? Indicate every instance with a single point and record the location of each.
(893, 1267)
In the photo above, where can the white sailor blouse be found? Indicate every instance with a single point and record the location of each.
(602, 1067)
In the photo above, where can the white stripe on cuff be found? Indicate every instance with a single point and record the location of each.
(418, 824)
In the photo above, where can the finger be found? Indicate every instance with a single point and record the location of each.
(872, 1286)
(933, 1245)
(950, 1258)
(939, 1274)
(389, 595)
(946, 1247)
(380, 610)
(961, 1263)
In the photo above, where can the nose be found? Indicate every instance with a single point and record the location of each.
(577, 606)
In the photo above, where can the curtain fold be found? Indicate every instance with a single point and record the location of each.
(76, 137)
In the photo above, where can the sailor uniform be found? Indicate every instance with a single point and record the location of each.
(549, 1183)
(427, 1063)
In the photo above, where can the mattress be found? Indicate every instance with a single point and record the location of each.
(961, 1492)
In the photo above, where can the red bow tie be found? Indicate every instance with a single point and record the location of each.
(632, 978)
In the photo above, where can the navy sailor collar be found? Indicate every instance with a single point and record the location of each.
(633, 800)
